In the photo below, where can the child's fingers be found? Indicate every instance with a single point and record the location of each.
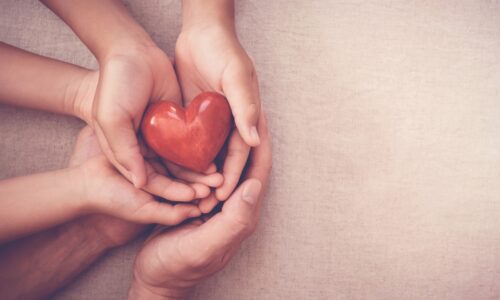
(163, 213)
(211, 169)
(212, 180)
(234, 163)
(167, 188)
(201, 190)
(207, 204)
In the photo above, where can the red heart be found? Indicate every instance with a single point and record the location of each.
(189, 137)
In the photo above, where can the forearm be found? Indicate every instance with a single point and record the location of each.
(38, 82)
(36, 202)
(208, 12)
(37, 266)
(105, 26)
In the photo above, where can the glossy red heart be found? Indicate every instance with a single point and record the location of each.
(189, 137)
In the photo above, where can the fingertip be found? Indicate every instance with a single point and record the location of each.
(254, 136)
(211, 169)
(207, 204)
(201, 190)
(221, 194)
(216, 180)
(195, 212)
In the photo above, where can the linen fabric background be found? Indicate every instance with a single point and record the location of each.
(385, 117)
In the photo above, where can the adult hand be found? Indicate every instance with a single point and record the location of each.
(209, 57)
(174, 261)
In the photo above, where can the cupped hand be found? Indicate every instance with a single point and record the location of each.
(113, 99)
(174, 261)
(210, 58)
(113, 231)
(128, 80)
(104, 190)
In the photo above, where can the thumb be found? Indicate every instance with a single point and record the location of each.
(119, 143)
(240, 86)
(233, 224)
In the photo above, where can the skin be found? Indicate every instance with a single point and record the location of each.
(36, 266)
(87, 188)
(134, 71)
(92, 187)
(124, 53)
(209, 57)
(172, 262)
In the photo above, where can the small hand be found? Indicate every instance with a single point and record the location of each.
(105, 191)
(113, 99)
(128, 81)
(174, 261)
(210, 58)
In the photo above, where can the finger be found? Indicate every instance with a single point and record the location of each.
(163, 213)
(261, 156)
(212, 180)
(211, 169)
(167, 188)
(201, 190)
(207, 204)
(230, 226)
(236, 158)
(240, 212)
(240, 86)
(119, 142)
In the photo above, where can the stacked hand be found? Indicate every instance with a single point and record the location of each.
(134, 72)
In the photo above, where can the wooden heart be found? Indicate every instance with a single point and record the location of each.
(189, 137)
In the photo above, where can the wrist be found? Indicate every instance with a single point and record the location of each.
(197, 14)
(80, 94)
(142, 291)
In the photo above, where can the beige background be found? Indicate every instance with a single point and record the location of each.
(385, 117)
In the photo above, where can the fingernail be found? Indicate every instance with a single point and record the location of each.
(252, 191)
(254, 135)
(134, 180)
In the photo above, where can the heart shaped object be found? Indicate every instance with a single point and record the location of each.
(189, 137)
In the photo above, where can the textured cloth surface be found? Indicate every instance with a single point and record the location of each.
(385, 117)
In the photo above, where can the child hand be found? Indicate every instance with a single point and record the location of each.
(105, 190)
(157, 184)
(211, 58)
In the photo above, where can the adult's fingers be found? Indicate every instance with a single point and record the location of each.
(240, 86)
(230, 226)
(234, 162)
(240, 212)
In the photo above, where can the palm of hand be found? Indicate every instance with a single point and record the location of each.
(212, 59)
(203, 58)
(170, 259)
